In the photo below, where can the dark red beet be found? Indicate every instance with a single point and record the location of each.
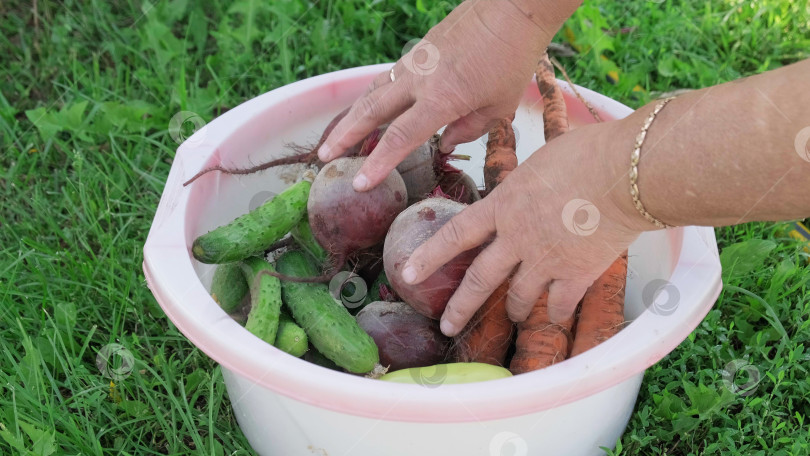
(411, 228)
(343, 220)
(419, 171)
(459, 187)
(404, 337)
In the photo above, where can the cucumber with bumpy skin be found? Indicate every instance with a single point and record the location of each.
(291, 338)
(265, 299)
(228, 286)
(302, 233)
(253, 232)
(329, 326)
(316, 357)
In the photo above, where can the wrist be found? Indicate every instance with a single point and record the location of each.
(616, 141)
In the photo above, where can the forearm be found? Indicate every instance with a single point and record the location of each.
(535, 22)
(547, 15)
(719, 156)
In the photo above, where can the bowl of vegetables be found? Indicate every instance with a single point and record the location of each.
(305, 361)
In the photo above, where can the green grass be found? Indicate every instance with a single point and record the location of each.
(86, 93)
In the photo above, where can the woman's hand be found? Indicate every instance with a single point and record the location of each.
(556, 222)
(470, 70)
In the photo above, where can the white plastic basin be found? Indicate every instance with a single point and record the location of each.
(287, 406)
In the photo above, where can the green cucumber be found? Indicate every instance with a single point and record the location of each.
(316, 357)
(291, 338)
(330, 327)
(229, 286)
(265, 299)
(302, 233)
(253, 232)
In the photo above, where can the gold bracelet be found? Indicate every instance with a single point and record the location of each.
(634, 159)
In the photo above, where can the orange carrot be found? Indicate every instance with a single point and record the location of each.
(540, 343)
(487, 336)
(555, 115)
(602, 312)
(500, 157)
(582, 99)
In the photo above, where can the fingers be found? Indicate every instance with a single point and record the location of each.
(406, 133)
(367, 113)
(379, 81)
(489, 269)
(469, 228)
(466, 129)
(563, 297)
(524, 291)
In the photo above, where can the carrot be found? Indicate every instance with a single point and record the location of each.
(487, 336)
(540, 343)
(500, 157)
(555, 115)
(582, 99)
(602, 312)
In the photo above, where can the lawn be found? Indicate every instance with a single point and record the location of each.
(87, 89)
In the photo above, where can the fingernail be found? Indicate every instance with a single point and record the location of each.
(324, 152)
(448, 329)
(409, 274)
(360, 182)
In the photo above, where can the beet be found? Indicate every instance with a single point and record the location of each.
(343, 220)
(411, 228)
(404, 337)
(459, 187)
(419, 171)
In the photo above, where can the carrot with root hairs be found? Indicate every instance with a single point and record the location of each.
(500, 158)
(602, 313)
(541, 343)
(555, 114)
(486, 338)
